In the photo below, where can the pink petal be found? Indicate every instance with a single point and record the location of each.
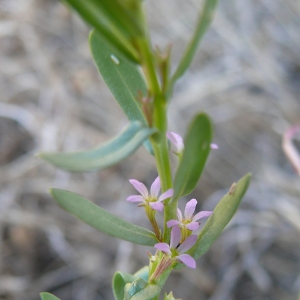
(140, 187)
(135, 198)
(179, 215)
(190, 208)
(176, 140)
(166, 195)
(175, 237)
(187, 244)
(193, 226)
(164, 247)
(187, 260)
(172, 223)
(202, 214)
(214, 146)
(155, 188)
(156, 206)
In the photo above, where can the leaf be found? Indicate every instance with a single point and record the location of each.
(48, 296)
(195, 153)
(104, 156)
(96, 14)
(102, 220)
(118, 284)
(204, 22)
(223, 213)
(122, 77)
(140, 290)
(120, 279)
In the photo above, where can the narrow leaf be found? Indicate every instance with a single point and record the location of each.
(96, 15)
(48, 296)
(123, 78)
(223, 213)
(102, 220)
(203, 23)
(104, 156)
(195, 153)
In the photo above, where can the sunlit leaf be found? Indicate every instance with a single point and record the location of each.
(104, 156)
(223, 213)
(102, 220)
(123, 78)
(195, 153)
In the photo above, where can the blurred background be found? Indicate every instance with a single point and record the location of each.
(246, 76)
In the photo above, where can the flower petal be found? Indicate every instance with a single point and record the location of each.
(176, 140)
(214, 146)
(190, 208)
(140, 187)
(187, 244)
(164, 247)
(155, 188)
(172, 223)
(175, 237)
(135, 198)
(179, 215)
(202, 214)
(166, 195)
(156, 206)
(193, 226)
(187, 260)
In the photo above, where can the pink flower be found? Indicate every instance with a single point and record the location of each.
(178, 144)
(176, 250)
(189, 221)
(176, 140)
(151, 199)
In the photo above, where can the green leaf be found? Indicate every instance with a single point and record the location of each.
(195, 153)
(223, 213)
(104, 156)
(102, 220)
(123, 78)
(96, 13)
(48, 296)
(203, 23)
(140, 290)
(118, 284)
(120, 279)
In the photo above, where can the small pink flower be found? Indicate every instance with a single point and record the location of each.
(178, 144)
(189, 221)
(151, 199)
(177, 141)
(176, 250)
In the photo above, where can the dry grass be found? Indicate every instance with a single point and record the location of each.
(246, 76)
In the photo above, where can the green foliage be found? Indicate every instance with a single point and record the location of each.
(102, 220)
(123, 78)
(104, 156)
(223, 213)
(117, 22)
(204, 22)
(48, 296)
(195, 153)
(120, 279)
(140, 289)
